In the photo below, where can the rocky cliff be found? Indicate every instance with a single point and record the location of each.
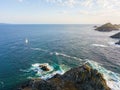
(79, 78)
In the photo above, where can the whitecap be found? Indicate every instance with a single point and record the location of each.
(99, 45)
(40, 49)
(68, 56)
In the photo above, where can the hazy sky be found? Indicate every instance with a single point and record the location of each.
(60, 11)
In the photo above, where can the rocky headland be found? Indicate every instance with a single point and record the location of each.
(108, 27)
(79, 78)
(117, 36)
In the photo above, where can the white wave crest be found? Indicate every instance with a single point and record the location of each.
(113, 79)
(40, 49)
(68, 56)
(99, 45)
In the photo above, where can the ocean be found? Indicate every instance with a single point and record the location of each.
(61, 47)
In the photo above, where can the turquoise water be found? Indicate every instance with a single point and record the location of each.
(61, 47)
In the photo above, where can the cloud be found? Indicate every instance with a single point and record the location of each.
(70, 3)
(91, 7)
(20, 0)
(88, 3)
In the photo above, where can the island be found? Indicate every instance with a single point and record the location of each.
(78, 78)
(108, 27)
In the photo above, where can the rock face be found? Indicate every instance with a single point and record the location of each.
(116, 36)
(108, 27)
(80, 78)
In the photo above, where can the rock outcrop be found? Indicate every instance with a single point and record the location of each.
(108, 27)
(44, 67)
(118, 42)
(79, 78)
(117, 36)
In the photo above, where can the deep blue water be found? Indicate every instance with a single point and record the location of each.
(60, 46)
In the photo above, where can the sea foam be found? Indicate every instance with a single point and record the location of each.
(47, 74)
(112, 78)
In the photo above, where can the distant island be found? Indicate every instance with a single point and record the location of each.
(107, 27)
(79, 78)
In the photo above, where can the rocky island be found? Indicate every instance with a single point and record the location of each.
(79, 78)
(108, 27)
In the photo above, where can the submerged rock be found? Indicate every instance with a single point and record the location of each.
(116, 36)
(108, 27)
(79, 78)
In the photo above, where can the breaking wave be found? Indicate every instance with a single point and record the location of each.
(113, 79)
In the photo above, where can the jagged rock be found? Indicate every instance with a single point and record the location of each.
(116, 36)
(108, 27)
(79, 78)
(44, 67)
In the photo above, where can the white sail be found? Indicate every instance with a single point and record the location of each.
(26, 40)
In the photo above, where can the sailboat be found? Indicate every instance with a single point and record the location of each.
(26, 40)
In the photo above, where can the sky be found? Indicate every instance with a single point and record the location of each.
(59, 11)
